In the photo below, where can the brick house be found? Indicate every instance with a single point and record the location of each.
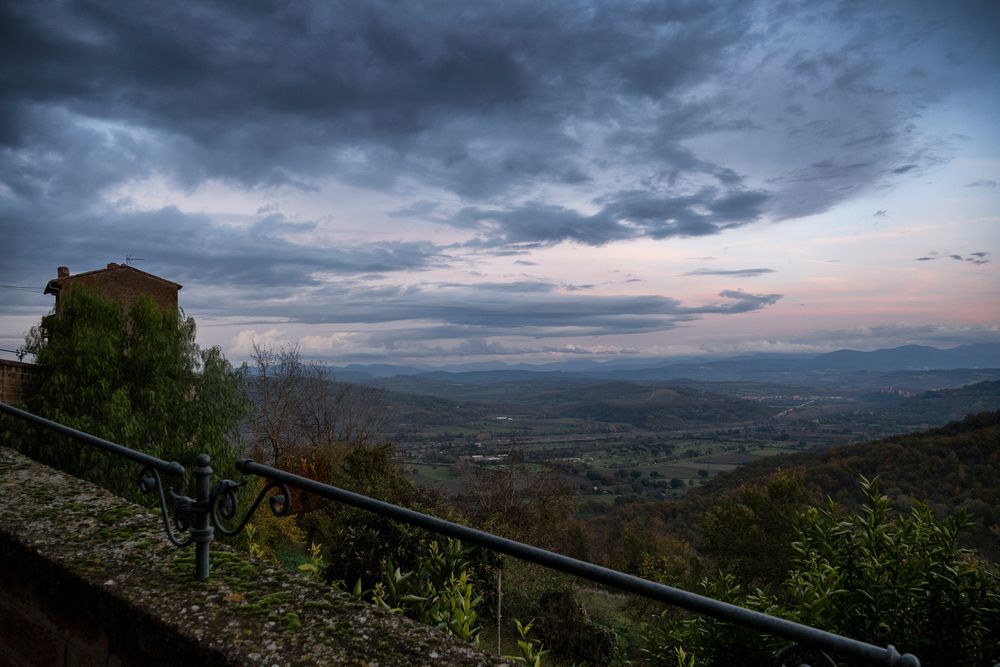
(118, 282)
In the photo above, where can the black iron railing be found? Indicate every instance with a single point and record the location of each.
(200, 517)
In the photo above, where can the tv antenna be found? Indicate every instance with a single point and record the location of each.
(129, 259)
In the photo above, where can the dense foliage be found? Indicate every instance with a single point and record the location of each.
(955, 466)
(133, 376)
(894, 579)
(438, 592)
(748, 534)
(871, 575)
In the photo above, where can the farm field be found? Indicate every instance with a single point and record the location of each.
(616, 442)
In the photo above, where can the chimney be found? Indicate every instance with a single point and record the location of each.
(112, 265)
(62, 272)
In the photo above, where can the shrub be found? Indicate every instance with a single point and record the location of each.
(872, 576)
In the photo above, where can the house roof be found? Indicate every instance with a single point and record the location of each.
(56, 284)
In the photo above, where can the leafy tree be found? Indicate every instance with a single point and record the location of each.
(747, 533)
(134, 376)
(572, 628)
(708, 641)
(358, 546)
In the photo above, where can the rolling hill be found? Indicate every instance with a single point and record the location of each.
(953, 467)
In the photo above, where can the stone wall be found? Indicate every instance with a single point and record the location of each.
(16, 380)
(90, 579)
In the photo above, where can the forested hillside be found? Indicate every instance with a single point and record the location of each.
(955, 466)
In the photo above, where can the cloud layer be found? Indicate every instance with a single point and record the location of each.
(478, 130)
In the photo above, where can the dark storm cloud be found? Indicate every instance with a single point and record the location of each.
(735, 273)
(264, 94)
(740, 302)
(625, 215)
(479, 101)
(707, 211)
(486, 105)
(459, 311)
(535, 224)
(853, 96)
(187, 248)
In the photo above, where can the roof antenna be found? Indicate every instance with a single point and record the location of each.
(129, 259)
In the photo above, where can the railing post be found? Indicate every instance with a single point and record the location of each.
(202, 532)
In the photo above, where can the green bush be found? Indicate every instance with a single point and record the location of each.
(572, 628)
(438, 592)
(872, 576)
(900, 580)
(707, 641)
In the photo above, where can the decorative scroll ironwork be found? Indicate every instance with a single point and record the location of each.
(150, 482)
(200, 517)
(225, 499)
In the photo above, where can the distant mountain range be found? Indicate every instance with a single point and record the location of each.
(834, 367)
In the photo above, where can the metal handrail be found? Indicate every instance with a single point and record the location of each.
(803, 635)
(168, 467)
(200, 517)
(190, 515)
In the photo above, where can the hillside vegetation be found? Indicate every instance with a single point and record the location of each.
(953, 467)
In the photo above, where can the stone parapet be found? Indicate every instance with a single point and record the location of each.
(90, 579)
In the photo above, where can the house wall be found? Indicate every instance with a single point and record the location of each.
(16, 380)
(124, 285)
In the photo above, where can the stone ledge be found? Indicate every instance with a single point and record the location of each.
(91, 579)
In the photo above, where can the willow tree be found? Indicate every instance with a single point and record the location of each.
(133, 375)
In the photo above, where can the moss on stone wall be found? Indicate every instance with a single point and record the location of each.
(92, 559)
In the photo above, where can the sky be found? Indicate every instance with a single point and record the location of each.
(444, 183)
